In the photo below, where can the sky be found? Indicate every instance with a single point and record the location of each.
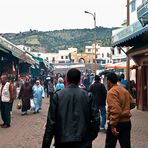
(48, 15)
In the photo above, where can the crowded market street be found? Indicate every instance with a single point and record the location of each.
(27, 131)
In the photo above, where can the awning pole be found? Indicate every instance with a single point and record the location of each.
(128, 60)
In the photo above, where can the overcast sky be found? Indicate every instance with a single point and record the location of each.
(47, 15)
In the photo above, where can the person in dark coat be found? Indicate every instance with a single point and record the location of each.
(73, 117)
(99, 91)
(25, 95)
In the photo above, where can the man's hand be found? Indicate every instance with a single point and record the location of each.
(114, 131)
(11, 101)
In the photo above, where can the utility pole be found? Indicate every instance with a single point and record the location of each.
(95, 56)
(128, 60)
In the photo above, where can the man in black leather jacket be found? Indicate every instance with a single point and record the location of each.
(72, 116)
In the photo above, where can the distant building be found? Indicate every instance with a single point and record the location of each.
(103, 55)
(25, 48)
(118, 55)
(63, 56)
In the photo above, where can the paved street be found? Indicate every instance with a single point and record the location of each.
(27, 131)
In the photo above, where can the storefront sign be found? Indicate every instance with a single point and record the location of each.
(127, 31)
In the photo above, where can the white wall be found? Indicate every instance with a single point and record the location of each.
(104, 54)
(101, 52)
(57, 56)
(133, 15)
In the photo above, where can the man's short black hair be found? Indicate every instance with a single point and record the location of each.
(97, 78)
(112, 77)
(73, 76)
(122, 76)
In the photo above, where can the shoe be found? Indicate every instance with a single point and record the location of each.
(34, 112)
(24, 113)
(5, 126)
(2, 124)
(103, 130)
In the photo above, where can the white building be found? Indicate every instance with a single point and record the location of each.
(118, 54)
(103, 54)
(25, 48)
(61, 57)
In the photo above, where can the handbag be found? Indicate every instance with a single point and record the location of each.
(19, 105)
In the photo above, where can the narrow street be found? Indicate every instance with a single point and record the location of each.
(27, 131)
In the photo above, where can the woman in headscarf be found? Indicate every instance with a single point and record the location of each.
(25, 95)
(38, 95)
(60, 84)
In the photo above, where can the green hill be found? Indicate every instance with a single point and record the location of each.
(52, 41)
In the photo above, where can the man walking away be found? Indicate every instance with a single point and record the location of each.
(72, 116)
(99, 91)
(119, 104)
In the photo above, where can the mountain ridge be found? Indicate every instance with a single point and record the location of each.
(52, 41)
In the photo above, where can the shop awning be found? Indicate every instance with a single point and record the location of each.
(120, 65)
(127, 37)
(17, 52)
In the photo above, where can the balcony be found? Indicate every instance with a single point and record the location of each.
(142, 13)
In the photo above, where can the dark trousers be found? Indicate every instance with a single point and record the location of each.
(11, 106)
(87, 144)
(124, 130)
(0, 106)
(5, 112)
(51, 95)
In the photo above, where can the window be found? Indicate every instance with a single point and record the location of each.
(143, 1)
(62, 57)
(89, 50)
(133, 6)
(53, 59)
(102, 55)
(66, 57)
(108, 55)
(119, 50)
(113, 52)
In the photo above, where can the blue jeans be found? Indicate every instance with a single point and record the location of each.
(103, 116)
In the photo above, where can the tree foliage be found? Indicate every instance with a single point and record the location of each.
(52, 41)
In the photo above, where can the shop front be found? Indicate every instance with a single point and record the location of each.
(135, 38)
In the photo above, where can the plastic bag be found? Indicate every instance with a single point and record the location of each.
(32, 104)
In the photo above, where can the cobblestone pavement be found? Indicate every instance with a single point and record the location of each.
(27, 131)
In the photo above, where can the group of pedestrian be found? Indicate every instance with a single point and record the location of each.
(74, 114)
(10, 91)
(54, 85)
(28, 93)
